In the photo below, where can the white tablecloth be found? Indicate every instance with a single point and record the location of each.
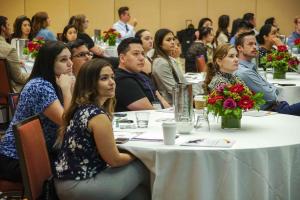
(291, 94)
(109, 51)
(264, 163)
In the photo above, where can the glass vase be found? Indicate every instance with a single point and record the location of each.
(231, 121)
(278, 74)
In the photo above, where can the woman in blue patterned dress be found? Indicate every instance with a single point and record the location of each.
(47, 93)
(89, 165)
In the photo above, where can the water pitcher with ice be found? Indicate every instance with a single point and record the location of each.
(183, 103)
(20, 44)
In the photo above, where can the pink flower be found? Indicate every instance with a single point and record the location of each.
(229, 103)
(220, 87)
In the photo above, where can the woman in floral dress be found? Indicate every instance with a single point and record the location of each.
(89, 165)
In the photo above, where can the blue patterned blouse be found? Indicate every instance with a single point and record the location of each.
(35, 97)
(78, 158)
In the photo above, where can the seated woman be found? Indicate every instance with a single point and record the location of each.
(40, 22)
(166, 72)
(266, 39)
(81, 23)
(69, 33)
(225, 63)
(147, 40)
(222, 34)
(197, 54)
(47, 93)
(89, 165)
(22, 29)
(176, 55)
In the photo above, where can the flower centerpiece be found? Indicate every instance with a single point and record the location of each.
(297, 44)
(229, 100)
(280, 60)
(33, 47)
(111, 36)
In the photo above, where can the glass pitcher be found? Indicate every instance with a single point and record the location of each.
(183, 104)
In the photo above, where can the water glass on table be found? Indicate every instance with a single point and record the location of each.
(142, 119)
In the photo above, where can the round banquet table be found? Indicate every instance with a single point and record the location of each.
(263, 163)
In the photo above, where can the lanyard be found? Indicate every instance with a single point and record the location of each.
(147, 85)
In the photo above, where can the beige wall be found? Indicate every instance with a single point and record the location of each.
(153, 14)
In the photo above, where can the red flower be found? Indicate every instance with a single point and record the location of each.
(31, 46)
(245, 102)
(213, 100)
(279, 57)
(269, 57)
(297, 41)
(282, 48)
(237, 88)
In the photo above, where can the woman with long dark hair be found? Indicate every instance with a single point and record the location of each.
(47, 93)
(69, 33)
(166, 72)
(147, 40)
(22, 28)
(222, 34)
(197, 55)
(266, 39)
(89, 165)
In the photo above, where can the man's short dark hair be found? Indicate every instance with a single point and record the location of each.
(241, 38)
(3, 21)
(75, 44)
(123, 47)
(122, 10)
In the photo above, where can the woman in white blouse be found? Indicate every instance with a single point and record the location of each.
(222, 34)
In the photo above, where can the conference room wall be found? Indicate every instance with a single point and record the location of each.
(153, 14)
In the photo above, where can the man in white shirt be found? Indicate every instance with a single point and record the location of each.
(126, 30)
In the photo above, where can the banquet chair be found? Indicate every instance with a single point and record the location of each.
(59, 36)
(10, 190)
(33, 154)
(5, 89)
(13, 99)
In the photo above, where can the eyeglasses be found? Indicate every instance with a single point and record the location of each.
(83, 54)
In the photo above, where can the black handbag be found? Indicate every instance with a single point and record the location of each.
(49, 191)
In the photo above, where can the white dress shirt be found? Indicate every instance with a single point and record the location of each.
(121, 28)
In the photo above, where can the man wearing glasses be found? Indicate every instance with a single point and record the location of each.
(80, 54)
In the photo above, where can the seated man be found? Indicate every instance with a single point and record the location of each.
(247, 50)
(242, 27)
(296, 34)
(134, 90)
(80, 54)
(122, 26)
(18, 78)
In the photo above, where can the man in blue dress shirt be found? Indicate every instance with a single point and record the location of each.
(247, 50)
(296, 34)
(126, 30)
